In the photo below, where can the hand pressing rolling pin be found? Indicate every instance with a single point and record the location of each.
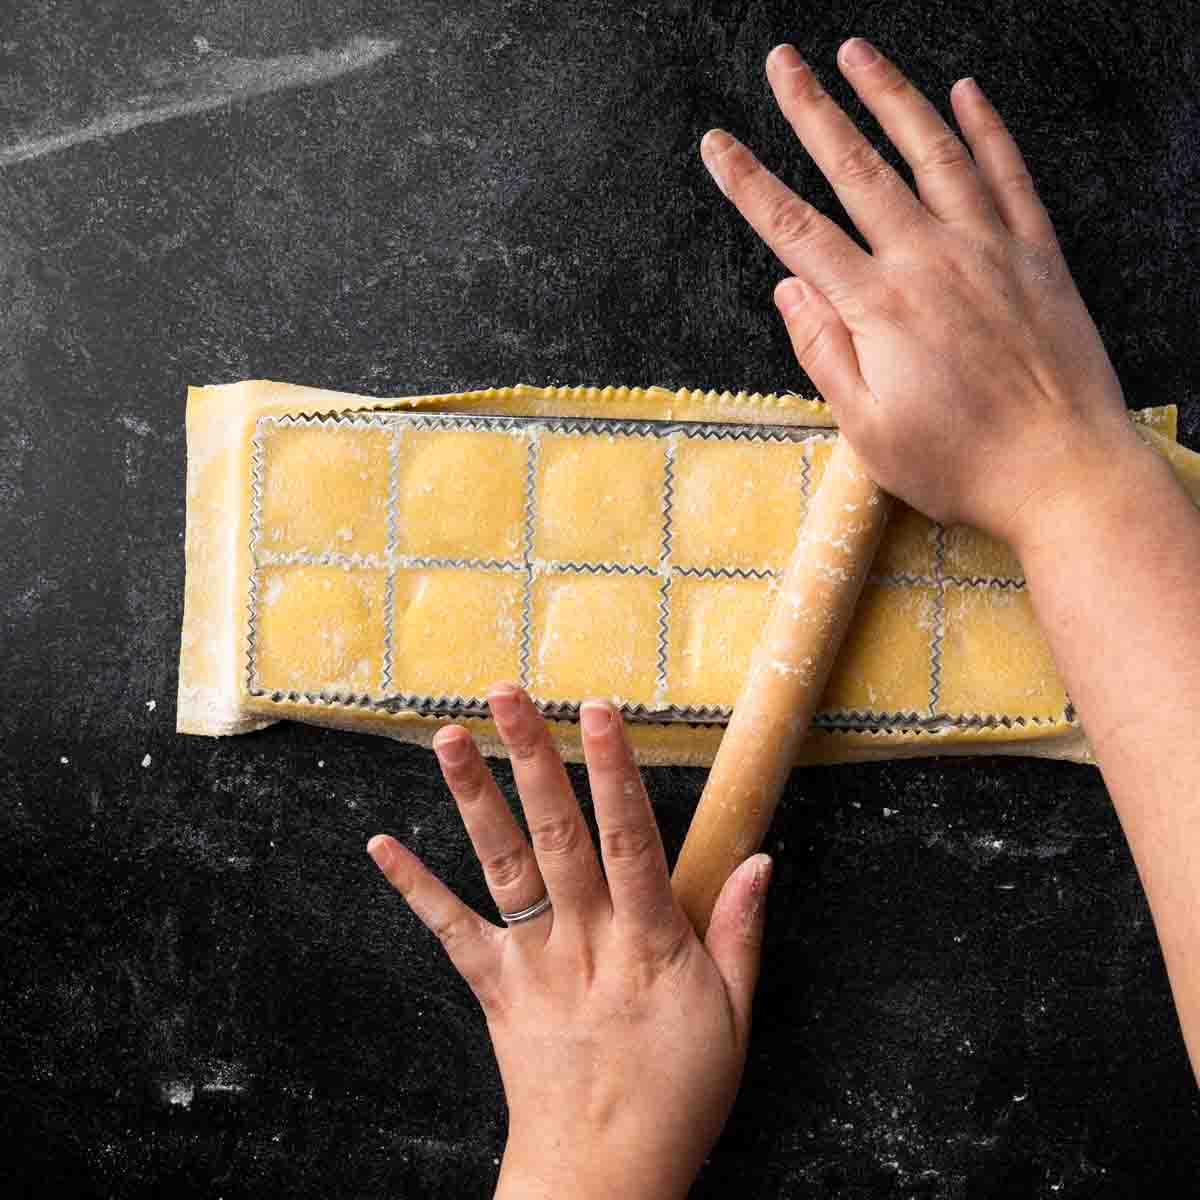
(967, 375)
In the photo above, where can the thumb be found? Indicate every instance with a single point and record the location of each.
(735, 933)
(821, 341)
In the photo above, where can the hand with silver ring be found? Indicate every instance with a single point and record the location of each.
(527, 914)
(619, 1035)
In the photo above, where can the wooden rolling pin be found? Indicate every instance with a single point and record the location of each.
(788, 672)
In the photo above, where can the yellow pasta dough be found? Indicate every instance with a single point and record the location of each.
(377, 564)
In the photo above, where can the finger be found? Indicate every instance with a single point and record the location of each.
(561, 841)
(735, 933)
(947, 180)
(806, 242)
(469, 941)
(634, 860)
(1002, 165)
(504, 853)
(879, 202)
(823, 345)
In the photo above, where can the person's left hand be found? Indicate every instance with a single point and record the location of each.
(620, 1037)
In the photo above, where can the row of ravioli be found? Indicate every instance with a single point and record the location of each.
(374, 494)
(950, 648)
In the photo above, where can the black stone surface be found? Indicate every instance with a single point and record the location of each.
(207, 990)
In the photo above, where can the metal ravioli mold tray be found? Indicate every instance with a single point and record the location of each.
(404, 561)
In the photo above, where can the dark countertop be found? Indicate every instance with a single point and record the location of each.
(207, 988)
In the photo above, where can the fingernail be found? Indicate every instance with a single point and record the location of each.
(713, 145)
(452, 747)
(786, 57)
(790, 294)
(970, 84)
(595, 716)
(763, 870)
(381, 851)
(859, 53)
(755, 906)
(504, 700)
(715, 141)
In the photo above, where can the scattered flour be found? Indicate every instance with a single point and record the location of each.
(178, 1093)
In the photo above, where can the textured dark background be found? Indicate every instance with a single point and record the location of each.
(207, 990)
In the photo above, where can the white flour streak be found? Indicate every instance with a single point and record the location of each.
(230, 80)
(228, 1077)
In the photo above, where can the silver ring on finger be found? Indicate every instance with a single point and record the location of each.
(527, 914)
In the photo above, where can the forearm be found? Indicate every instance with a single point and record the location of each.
(1113, 565)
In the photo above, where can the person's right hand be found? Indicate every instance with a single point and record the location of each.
(957, 355)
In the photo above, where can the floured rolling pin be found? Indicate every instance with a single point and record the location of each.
(788, 672)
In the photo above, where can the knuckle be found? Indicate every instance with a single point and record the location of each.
(557, 836)
(811, 345)
(467, 782)
(452, 932)
(861, 164)
(1019, 182)
(989, 124)
(738, 168)
(626, 843)
(506, 868)
(402, 879)
(942, 152)
(894, 85)
(610, 756)
(792, 220)
(526, 745)
(806, 88)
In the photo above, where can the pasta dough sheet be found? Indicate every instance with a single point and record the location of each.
(376, 564)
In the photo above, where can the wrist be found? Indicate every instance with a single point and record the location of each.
(1095, 482)
(586, 1170)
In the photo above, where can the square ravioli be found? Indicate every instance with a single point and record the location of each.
(454, 631)
(595, 634)
(714, 626)
(737, 503)
(320, 629)
(995, 661)
(460, 494)
(886, 662)
(324, 489)
(908, 545)
(599, 499)
(973, 555)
